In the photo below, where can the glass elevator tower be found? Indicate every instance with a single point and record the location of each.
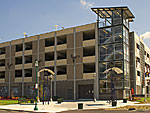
(113, 38)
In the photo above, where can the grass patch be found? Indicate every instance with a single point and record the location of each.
(7, 102)
(126, 108)
(141, 100)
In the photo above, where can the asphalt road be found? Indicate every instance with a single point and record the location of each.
(8, 111)
(82, 111)
(103, 111)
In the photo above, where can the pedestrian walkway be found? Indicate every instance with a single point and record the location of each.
(54, 107)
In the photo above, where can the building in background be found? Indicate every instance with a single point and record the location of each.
(78, 56)
(139, 65)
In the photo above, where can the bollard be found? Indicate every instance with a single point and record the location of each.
(124, 100)
(80, 105)
(114, 103)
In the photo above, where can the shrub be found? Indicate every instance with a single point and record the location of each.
(59, 100)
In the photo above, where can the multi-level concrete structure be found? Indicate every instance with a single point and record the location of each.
(78, 56)
(139, 65)
(54, 50)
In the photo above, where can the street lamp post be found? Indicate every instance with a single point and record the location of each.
(74, 57)
(36, 85)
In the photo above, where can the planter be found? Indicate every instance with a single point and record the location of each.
(124, 100)
(60, 100)
(80, 105)
(114, 103)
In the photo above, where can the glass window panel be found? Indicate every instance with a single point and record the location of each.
(125, 65)
(126, 57)
(127, 41)
(118, 38)
(117, 30)
(109, 57)
(110, 49)
(103, 66)
(124, 31)
(118, 55)
(128, 67)
(107, 32)
(118, 47)
(106, 57)
(104, 84)
(102, 75)
(101, 33)
(103, 57)
(126, 83)
(124, 47)
(110, 65)
(119, 64)
(119, 84)
(117, 17)
(106, 40)
(127, 50)
(126, 75)
(108, 22)
(127, 34)
(103, 50)
(117, 14)
(125, 20)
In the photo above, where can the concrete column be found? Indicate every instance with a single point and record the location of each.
(96, 84)
(23, 67)
(55, 59)
(9, 66)
(74, 63)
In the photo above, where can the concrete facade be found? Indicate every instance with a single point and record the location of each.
(18, 57)
(139, 57)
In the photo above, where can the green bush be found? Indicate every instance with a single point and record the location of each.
(59, 100)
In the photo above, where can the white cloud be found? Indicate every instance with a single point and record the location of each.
(86, 4)
(146, 35)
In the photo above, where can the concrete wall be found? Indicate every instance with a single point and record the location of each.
(64, 84)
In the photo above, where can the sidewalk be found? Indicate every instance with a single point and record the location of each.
(53, 107)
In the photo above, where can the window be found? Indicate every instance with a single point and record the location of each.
(147, 55)
(28, 72)
(2, 50)
(19, 47)
(138, 46)
(18, 73)
(138, 73)
(2, 75)
(138, 59)
(28, 46)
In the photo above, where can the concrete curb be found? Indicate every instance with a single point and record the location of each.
(26, 111)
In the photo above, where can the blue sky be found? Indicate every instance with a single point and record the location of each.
(40, 16)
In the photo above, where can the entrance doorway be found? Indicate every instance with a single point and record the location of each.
(86, 91)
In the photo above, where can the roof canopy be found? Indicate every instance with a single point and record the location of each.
(106, 12)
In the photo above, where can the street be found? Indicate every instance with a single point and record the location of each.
(81, 111)
(9, 111)
(103, 111)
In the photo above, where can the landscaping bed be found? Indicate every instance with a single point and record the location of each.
(7, 102)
